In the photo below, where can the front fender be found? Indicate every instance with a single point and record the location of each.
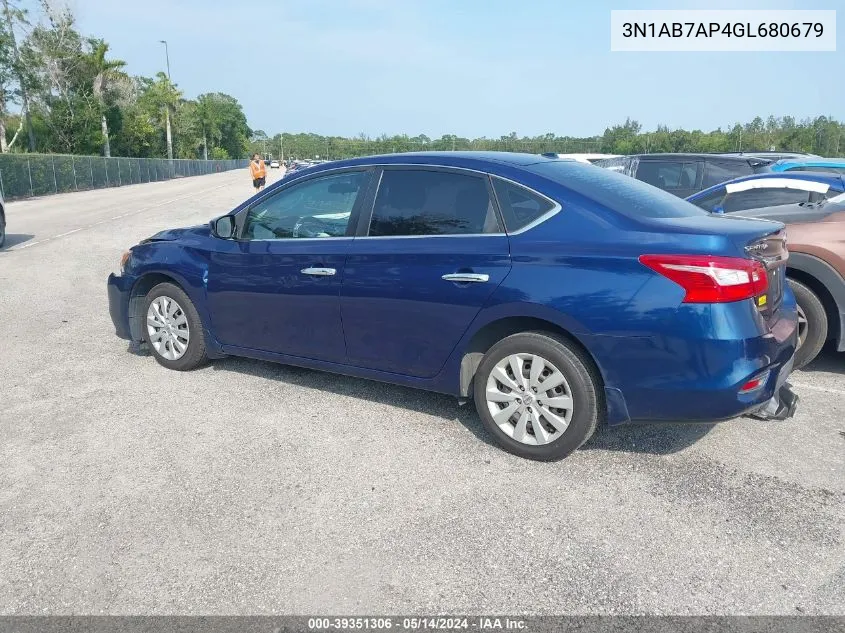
(188, 268)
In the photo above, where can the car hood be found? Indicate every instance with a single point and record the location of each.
(172, 235)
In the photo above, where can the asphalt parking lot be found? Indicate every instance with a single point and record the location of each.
(247, 487)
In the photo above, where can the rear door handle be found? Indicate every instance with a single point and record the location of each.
(319, 272)
(466, 278)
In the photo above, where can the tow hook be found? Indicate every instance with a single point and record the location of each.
(781, 406)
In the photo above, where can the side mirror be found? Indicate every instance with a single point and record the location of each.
(224, 227)
(718, 209)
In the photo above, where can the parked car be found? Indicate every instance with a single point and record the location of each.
(274, 164)
(298, 165)
(2, 221)
(685, 174)
(770, 189)
(836, 166)
(815, 269)
(555, 295)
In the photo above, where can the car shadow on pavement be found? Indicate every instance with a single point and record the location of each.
(13, 239)
(655, 439)
(828, 361)
(662, 438)
(417, 400)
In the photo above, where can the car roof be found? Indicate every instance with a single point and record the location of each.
(827, 162)
(697, 155)
(446, 159)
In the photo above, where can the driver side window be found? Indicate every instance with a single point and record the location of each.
(319, 207)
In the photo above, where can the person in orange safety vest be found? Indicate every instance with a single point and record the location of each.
(258, 172)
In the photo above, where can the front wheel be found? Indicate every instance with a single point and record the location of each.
(2, 232)
(538, 395)
(172, 328)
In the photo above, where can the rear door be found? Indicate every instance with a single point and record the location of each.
(426, 260)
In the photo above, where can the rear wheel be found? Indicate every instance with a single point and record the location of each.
(812, 324)
(2, 231)
(538, 395)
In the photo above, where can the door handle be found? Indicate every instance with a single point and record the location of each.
(466, 278)
(318, 272)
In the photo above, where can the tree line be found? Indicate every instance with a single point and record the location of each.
(61, 92)
(824, 136)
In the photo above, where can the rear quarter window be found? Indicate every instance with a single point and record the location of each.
(620, 193)
(520, 206)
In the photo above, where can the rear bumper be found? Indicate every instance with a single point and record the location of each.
(675, 379)
(119, 289)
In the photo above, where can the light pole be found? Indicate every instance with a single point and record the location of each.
(167, 56)
(167, 106)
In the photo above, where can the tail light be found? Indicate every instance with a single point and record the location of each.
(710, 278)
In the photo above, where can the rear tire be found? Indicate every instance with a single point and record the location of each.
(2, 231)
(172, 328)
(812, 324)
(526, 419)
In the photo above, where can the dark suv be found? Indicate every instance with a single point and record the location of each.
(685, 174)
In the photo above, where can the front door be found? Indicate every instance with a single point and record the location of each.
(277, 287)
(433, 254)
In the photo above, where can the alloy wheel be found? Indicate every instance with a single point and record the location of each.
(802, 327)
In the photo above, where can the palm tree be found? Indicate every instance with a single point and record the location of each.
(105, 72)
(208, 117)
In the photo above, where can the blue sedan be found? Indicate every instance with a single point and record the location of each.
(555, 295)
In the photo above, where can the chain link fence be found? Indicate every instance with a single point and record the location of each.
(27, 175)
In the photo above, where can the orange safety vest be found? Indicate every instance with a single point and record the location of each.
(257, 169)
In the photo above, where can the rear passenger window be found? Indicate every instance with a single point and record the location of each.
(422, 202)
(711, 201)
(716, 172)
(520, 207)
(759, 198)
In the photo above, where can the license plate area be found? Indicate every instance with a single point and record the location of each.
(772, 252)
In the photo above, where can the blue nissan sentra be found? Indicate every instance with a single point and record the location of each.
(555, 295)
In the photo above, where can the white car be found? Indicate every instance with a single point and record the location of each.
(587, 158)
(274, 164)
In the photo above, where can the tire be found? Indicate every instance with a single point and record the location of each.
(812, 324)
(2, 231)
(166, 350)
(581, 383)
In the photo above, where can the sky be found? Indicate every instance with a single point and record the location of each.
(467, 67)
